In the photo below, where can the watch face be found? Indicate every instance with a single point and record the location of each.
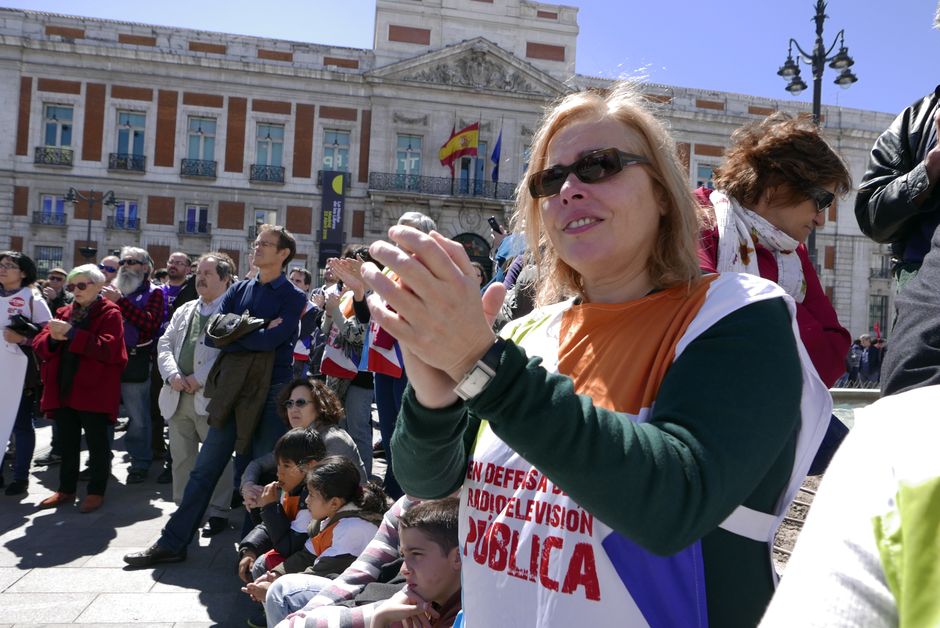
(473, 383)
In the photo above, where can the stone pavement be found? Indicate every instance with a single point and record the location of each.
(63, 568)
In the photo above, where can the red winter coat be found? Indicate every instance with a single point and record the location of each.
(96, 386)
(826, 341)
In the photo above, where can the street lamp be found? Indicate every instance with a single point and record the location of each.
(790, 71)
(89, 252)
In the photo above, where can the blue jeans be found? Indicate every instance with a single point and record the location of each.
(214, 454)
(291, 593)
(25, 434)
(358, 422)
(388, 393)
(136, 399)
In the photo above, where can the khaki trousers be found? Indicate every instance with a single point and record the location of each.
(187, 430)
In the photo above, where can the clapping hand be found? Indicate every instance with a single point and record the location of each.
(58, 330)
(350, 273)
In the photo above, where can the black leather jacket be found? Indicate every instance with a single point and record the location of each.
(896, 175)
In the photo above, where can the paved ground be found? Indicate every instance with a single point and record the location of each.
(62, 568)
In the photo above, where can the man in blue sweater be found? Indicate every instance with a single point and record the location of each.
(269, 296)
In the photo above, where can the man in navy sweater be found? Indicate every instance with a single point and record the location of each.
(269, 296)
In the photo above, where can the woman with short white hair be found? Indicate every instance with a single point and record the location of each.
(83, 354)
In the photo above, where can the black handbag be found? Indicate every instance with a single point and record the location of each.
(138, 365)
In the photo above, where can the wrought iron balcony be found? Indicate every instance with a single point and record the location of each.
(127, 162)
(194, 228)
(49, 218)
(442, 186)
(267, 174)
(123, 223)
(53, 156)
(198, 168)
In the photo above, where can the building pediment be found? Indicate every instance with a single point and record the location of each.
(476, 64)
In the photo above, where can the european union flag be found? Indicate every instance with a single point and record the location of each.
(495, 156)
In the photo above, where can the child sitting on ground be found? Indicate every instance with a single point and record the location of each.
(428, 540)
(284, 520)
(345, 516)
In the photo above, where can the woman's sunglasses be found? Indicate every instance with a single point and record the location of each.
(299, 403)
(81, 285)
(823, 198)
(593, 167)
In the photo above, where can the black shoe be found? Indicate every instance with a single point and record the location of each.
(166, 476)
(213, 526)
(153, 555)
(48, 460)
(17, 487)
(136, 476)
(85, 474)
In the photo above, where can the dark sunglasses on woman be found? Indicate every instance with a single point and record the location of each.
(823, 198)
(593, 167)
(300, 403)
(81, 285)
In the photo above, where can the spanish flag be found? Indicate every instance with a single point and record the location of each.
(462, 143)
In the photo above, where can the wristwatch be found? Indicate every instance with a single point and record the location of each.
(479, 377)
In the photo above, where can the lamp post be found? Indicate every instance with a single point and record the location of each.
(817, 60)
(89, 252)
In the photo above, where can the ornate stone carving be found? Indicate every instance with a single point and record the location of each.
(476, 69)
(468, 218)
(526, 131)
(403, 119)
(485, 127)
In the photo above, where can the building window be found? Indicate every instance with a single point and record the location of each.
(131, 133)
(197, 219)
(882, 267)
(336, 150)
(201, 138)
(408, 156)
(265, 217)
(51, 210)
(473, 172)
(58, 126)
(878, 312)
(705, 175)
(47, 258)
(270, 144)
(125, 215)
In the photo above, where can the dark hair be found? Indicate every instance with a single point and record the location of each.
(26, 265)
(285, 240)
(437, 518)
(224, 265)
(308, 278)
(483, 275)
(300, 446)
(326, 403)
(781, 150)
(160, 273)
(337, 476)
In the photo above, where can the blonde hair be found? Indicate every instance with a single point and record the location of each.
(674, 257)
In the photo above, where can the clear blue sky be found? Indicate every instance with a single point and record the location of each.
(728, 45)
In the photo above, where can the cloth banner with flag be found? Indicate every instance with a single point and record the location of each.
(495, 156)
(462, 143)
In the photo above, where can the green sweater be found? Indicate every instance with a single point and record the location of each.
(722, 433)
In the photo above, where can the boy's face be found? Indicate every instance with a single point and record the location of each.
(290, 474)
(429, 572)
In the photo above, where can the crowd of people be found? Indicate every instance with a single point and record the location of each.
(610, 429)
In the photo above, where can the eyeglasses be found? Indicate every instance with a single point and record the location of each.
(262, 244)
(55, 278)
(177, 263)
(299, 403)
(9, 266)
(81, 285)
(823, 198)
(593, 167)
(131, 262)
(107, 269)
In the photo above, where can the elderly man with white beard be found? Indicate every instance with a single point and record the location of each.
(141, 305)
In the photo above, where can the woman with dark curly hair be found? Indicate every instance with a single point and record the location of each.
(777, 181)
(310, 404)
